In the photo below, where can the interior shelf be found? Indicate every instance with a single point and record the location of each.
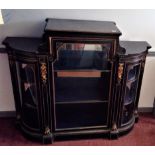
(128, 102)
(85, 101)
(81, 70)
(132, 80)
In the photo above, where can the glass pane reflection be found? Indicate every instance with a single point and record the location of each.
(82, 74)
(82, 56)
(28, 83)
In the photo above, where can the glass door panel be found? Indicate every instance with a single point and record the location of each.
(133, 72)
(28, 91)
(79, 56)
(82, 74)
(130, 92)
(29, 84)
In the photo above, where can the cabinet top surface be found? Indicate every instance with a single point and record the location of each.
(134, 47)
(31, 45)
(82, 26)
(23, 44)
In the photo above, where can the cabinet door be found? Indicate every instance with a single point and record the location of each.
(82, 78)
(26, 77)
(131, 87)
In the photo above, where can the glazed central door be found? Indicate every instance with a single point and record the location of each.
(82, 75)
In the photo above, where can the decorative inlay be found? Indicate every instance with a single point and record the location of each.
(47, 131)
(114, 127)
(43, 72)
(120, 71)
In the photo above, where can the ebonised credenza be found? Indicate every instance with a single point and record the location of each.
(77, 79)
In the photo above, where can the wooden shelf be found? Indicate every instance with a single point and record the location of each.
(128, 102)
(81, 70)
(85, 101)
(131, 80)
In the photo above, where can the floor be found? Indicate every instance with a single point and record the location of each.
(143, 134)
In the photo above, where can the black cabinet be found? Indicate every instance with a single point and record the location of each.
(77, 79)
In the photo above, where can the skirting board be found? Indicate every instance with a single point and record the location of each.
(7, 114)
(145, 109)
(3, 50)
(151, 53)
(13, 113)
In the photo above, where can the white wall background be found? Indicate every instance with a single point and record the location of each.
(134, 24)
(148, 85)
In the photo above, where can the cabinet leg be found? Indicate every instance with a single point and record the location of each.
(48, 136)
(48, 139)
(136, 116)
(17, 122)
(113, 135)
(136, 119)
(114, 132)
